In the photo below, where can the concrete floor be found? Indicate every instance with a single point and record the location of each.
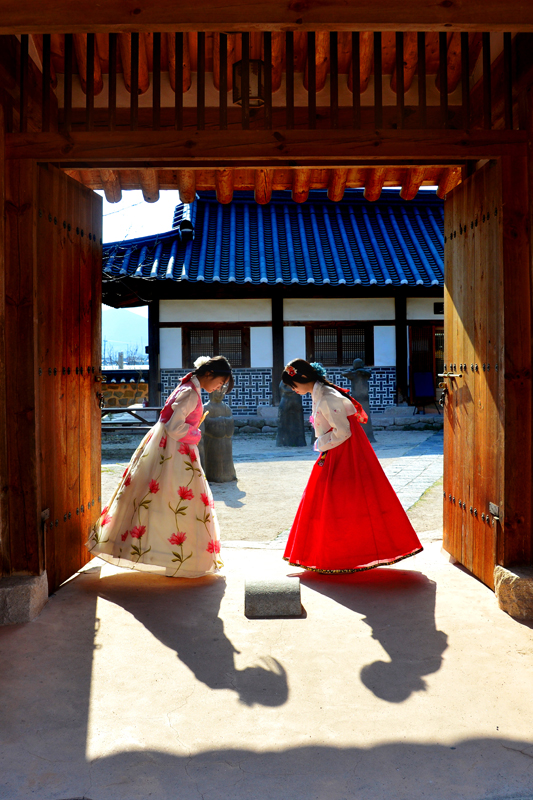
(397, 684)
(406, 682)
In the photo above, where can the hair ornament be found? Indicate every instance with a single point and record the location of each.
(290, 371)
(319, 368)
(201, 360)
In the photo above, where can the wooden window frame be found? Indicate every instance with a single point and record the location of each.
(310, 327)
(215, 327)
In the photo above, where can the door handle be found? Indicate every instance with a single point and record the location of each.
(450, 375)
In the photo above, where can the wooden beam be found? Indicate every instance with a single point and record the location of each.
(301, 184)
(263, 186)
(124, 43)
(154, 385)
(321, 61)
(111, 184)
(374, 183)
(224, 185)
(278, 42)
(337, 184)
(19, 16)
(366, 60)
(412, 183)
(186, 60)
(187, 185)
(400, 324)
(149, 181)
(80, 49)
(410, 62)
(454, 63)
(39, 46)
(22, 395)
(278, 360)
(517, 547)
(5, 545)
(262, 148)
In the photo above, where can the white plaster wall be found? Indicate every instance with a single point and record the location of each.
(293, 342)
(170, 348)
(384, 346)
(261, 347)
(337, 308)
(422, 308)
(215, 310)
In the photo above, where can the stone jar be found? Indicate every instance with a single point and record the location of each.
(216, 452)
(359, 376)
(291, 431)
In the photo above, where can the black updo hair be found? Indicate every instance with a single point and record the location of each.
(305, 373)
(220, 367)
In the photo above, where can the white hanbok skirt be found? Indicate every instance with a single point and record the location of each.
(161, 517)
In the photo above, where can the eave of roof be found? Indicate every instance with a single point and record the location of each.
(353, 242)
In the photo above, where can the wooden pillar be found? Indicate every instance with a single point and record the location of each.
(516, 545)
(400, 317)
(278, 357)
(5, 560)
(19, 427)
(154, 385)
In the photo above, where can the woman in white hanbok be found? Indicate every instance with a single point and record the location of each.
(161, 517)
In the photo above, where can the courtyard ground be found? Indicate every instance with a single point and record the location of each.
(400, 683)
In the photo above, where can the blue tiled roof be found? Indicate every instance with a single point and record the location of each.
(387, 243)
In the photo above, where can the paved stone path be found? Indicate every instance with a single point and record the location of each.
(257, 509)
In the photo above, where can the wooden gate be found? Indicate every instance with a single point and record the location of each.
(486, 308)
(68, 258)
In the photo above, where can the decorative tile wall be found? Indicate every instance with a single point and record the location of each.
(253, 387)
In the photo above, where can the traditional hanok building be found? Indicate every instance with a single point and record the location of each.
(320, 280)
(264, 96)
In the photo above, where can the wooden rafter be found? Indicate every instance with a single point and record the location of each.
(374, 184)
(224, 185)
(187, 185)
(149, 181)
(337, 184)
(412, 183)
(298, 181)
(263, 186)
(111, 185)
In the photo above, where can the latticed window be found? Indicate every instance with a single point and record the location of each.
(233, 343)
(339, 345)
(201, 343)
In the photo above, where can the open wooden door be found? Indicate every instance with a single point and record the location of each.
(487, 434)
(68, 258)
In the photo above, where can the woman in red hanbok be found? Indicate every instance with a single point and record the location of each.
(349, 518)
(161, 517)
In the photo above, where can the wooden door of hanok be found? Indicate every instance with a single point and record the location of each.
(68, 258)
(486, 455)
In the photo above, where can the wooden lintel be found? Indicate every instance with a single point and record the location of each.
(34, 16)
(262, 148)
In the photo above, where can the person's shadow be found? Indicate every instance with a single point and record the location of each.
(183, 615)
(228, 493)
(399, 606)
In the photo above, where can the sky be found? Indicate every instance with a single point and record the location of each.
(129, 219)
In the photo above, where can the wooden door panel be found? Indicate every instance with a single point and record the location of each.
(68, 266)
(473, 334)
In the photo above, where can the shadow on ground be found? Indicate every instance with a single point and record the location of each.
(404, 625)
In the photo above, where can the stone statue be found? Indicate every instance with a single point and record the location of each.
(359, 376)
(216, 445)
(290, 419)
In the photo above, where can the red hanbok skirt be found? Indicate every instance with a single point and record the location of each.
(350, 518)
